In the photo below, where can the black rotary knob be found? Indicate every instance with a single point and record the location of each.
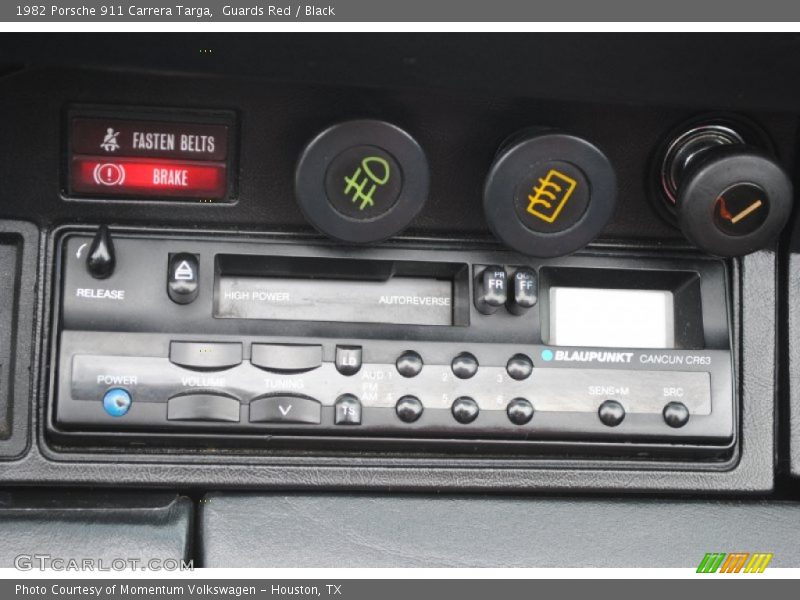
(549, 193)
(362, 181)
(730, 196)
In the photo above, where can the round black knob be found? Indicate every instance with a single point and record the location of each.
(409, 409)
(464, 366)
(519, 367)
(733, 200)
(611, 413)
(549, 193)
(519, 411)
(362, 181)
(676, 414)
(409, 364)
(465, 410)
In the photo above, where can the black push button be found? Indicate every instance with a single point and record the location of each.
(285, 409)
(101, 260)
(676, 414)
(286, 357)
(549, 193)
(347, 410)
(409, 409)
(491, 289)
(519, 367)
(524, 292)
(203, 407)
(183, 277)
(199, 355)
(348, 359)
(519, 411)
(464, 366)
(362, 181)
(611, 413)
(465, 410)
(409, 364)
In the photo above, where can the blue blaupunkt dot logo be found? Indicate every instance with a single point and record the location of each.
(547, 355)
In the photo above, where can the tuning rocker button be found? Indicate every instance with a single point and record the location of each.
(362, 181)
(549, 193)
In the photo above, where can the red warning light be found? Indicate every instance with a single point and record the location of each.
(106, 176)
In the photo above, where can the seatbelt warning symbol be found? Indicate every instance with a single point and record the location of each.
(551, 195)
(367, 177)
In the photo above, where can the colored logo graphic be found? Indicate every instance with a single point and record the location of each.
(547, 355)
(373, 171)
(736, 562)
(551, 195)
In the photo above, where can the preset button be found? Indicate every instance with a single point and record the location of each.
(409, 364)
(409, 409)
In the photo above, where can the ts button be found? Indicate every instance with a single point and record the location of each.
(347, 410)
(183, 277)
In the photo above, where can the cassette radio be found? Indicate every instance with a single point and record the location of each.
(189, 338)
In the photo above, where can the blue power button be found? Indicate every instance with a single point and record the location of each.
(117, 402)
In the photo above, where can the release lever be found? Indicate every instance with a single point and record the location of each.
(100, 261)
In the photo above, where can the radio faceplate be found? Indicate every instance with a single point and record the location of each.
(135, 363)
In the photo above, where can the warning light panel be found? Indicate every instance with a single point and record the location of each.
(113, 157)
(99, 175)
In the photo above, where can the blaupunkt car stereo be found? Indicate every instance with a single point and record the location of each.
(188, 338)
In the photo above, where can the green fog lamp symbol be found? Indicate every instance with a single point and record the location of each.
(366, 176)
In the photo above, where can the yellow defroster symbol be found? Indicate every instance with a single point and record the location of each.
(551, 195)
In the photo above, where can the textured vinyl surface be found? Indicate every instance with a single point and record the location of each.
(412, 531)
(95, 526)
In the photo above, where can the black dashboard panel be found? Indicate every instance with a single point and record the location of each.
(128, 275)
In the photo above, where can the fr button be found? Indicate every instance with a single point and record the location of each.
(183, 278)
(491, 289)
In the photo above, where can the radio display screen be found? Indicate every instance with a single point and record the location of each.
(614, 318)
